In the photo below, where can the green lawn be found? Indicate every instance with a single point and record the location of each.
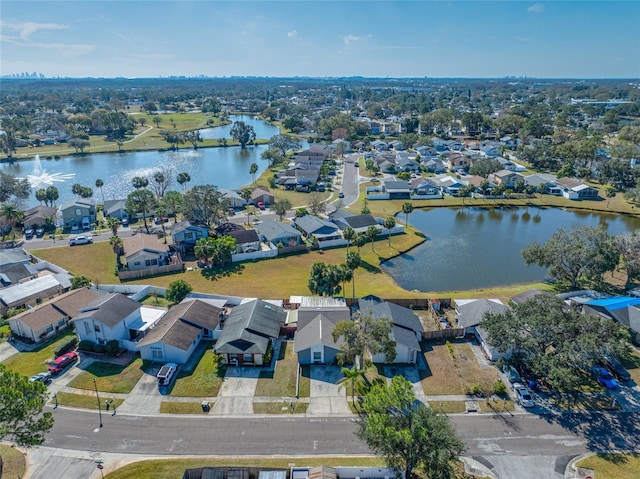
(172, 407)
(613, 466)
(13, 462)
(33, 362)
(204, 381)
(109, 377)
(279, 408)
(83, 401)
(96, 260)
(282, 381)
(174, 468)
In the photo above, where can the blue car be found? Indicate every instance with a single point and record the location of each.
(604, 377)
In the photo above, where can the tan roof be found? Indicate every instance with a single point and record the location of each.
(143, 241)
(71, 302)
(40, 317)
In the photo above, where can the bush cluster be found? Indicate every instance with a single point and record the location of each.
(66, 347)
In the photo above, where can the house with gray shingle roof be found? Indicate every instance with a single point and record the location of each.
(178, 333)
(279, 233)
(469, 315)
(249, 331)
(314, 343)
(323, 230)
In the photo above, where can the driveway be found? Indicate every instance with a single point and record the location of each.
(410, 373)
(145, 397)
(327, 397)
(235, 397)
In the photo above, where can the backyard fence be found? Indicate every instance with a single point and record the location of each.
(141, 273)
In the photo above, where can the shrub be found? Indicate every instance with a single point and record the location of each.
(86, 345)
(499, 388)
(66, 347)
(451, 350)
(112, 347)
(99, 348)
(474, 390)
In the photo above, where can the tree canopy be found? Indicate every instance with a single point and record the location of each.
(556, 343)
(408, 434)
(204, 204)
(243, 133)
(21, 406)
(364, 337)
(177, 291)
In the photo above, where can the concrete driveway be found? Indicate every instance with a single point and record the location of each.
(327, 397)
(145, 397)
(410, 373)
(235, 397)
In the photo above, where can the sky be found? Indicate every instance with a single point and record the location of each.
(420, 38)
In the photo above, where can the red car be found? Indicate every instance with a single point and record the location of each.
(261, 205)
(62, 362)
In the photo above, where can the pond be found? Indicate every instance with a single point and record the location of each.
(471, 248)
(227, 168)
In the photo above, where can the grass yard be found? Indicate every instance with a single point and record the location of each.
(204, 381)
(448, 407)
(173, 407)
(96, 260)
(457, 373)
(33, 362)
(633, 366)
(157, 301)
(174, 468)
(83, 401)
(13, 462)
(613, 466)
(279, 408)
(282, 381)
(109, 377)
(489, 405)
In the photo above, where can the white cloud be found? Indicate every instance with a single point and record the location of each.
(347, 39)
(292, 33)
(26, 29)
(536, 8)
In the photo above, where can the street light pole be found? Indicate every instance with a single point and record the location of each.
(98, 398)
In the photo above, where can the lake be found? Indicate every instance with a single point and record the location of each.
(471, 248)
(227, 168)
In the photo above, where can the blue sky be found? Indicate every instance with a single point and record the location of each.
(551, 39)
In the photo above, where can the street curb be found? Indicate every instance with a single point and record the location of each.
(570, 471)
(476, 468)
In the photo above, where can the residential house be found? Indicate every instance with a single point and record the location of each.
(425, 188)
(30, 293)
(247, 241)
(263, 194)
(279, 233)
(47, 319)
(575, 189)
(469, 316)
(316, 320)
(449, 185)
(16, 273)
(426, 151)
(185, 235)
(434, 165)
(39, 216)
(457, 161)
(379, 145)
(115, 209)
(527, 295)
(359, 223)
(322, 230)
(505, 177)
(406, 328)
(249, 332)
(396, 189)
(145, 251)
(396, 145)
(490, 149)
(9, 256)
(115, 316)
(623, 309)
(178, 333)
(233, 197)
(407, 163)
(547, 179)
(76, 214)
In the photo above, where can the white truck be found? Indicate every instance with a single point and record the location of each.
(80, 240)
(166, 375)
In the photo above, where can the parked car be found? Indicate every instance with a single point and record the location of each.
(523, 396)
(40, 232)
(44, 377)
(617, 368)
(61, 362)
(80, 240)
(356, 164)
(341, 195)
(124, 222)
(604, 377)
(166, 375)
(260, 205)
(28, 234)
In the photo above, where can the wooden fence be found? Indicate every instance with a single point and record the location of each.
(141, 273)
(442, 334)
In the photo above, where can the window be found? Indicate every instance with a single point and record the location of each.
(156, 353)
(62, 322)
(188, 236)
(247, 358)
(151, 262)
(87, 327)
(137, 263)
(96, 328)
(317, 356)
(49, 328)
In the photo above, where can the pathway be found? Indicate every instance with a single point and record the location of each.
(235, 397)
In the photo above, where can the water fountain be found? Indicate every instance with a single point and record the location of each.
(40, 177)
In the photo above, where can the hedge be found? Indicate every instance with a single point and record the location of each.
(66, 347)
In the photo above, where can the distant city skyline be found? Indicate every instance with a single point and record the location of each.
(456, 39)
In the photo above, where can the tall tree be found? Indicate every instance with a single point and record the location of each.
(281, 207)
(183, 178)
(350, 376)
(353, 262)
(41, 196)
(363, 338)
(372, 234)
(324, 279)
(245, 194)
(173, 202)
(204, 249)
(22, 419)
(359, 240)
(140, 201)
(583, 253)
(139, 182)
(348, 233)
(407, 209)
(389, 224)
(113, 224)
(284, 143)
(162, 179)
(116, 246)
(253, 169)
(52, 195)
(177, 291)
(205, 204)
(316, 204)
(243, 133)
(409, 435)
(99, 185)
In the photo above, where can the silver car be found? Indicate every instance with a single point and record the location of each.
(523, 396)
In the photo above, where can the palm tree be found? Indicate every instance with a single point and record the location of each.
(351, 376)
(114, 224)
(139, 182)
(204, 249)
(372, 234)
(348, 233)
(407, 208)
(353, 262)
(161, 211)
(11, 214)
(100, 184)
(116, 244)
(183, 178)
(245, 194)
(253, 169)
(359, 239)
(389, 224)
(346, 275)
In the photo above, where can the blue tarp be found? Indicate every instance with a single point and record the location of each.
(617, 302)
